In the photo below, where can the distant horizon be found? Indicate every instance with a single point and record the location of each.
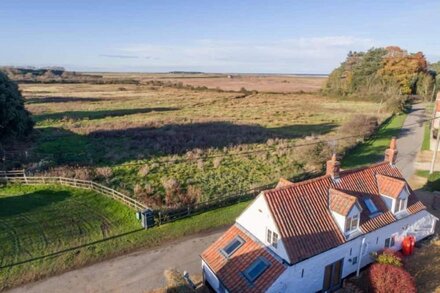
(168, 72)
(305, 37)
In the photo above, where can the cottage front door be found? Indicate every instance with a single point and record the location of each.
(332, 276)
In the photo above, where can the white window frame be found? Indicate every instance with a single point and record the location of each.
(352, 223)
(400, 205)
(272, 238)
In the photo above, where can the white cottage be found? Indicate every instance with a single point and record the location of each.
(308, 236)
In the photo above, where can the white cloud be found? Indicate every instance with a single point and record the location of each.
(302, 55)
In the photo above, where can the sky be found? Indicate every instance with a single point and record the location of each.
(210, 36)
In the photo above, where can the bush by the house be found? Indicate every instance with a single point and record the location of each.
(385, 278)
(390, 257)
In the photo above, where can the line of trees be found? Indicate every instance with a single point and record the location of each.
(388, 74)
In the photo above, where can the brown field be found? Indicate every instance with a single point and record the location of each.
(235, 82)
(150, 140)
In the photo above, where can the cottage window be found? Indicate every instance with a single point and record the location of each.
(272, 238)
(351, 223)
(400, 205)
(355, 260)
(388, 243)
(232, 247)
(256, 269)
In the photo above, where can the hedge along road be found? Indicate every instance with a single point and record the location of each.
(143, 270)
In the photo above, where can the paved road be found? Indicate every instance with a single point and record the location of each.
(410, 140)
(140, 271)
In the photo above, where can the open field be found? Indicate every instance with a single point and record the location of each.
(48, 230)
(235, 82)
(173, 145)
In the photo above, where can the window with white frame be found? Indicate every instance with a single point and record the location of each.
(400, 205)
(272, 238)
(390, 242)
(351, 223)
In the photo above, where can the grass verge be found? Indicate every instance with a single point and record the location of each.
(426, 138)
(49, 229)
(433, 182)
(373, 149)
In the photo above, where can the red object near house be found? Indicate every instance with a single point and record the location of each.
(408, 244)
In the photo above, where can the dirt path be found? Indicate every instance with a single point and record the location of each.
(139, 271)
(410, 140)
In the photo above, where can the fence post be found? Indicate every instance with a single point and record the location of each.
(160, 218)
(25, 178)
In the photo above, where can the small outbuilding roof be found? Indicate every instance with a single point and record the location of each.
(231, 269)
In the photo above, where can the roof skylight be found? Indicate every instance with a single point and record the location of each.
(235, 244)
(256, 269)
(370, 205)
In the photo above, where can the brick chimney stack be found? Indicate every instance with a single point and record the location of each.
(391, 152)
(333, 167)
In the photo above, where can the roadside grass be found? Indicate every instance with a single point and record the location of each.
(426, 137)
(47, 230)
(373, 149)
(433, 183)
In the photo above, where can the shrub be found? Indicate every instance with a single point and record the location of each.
(390, 257)
(105, 172)
(386, 278)
(15, 120)
(144, 170)
(360, 124)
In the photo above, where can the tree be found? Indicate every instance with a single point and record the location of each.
(15, 120)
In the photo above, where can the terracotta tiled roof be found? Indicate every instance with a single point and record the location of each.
(283, 183)
(341, 202)
(305, 222)
(230, 270)
(390, 186)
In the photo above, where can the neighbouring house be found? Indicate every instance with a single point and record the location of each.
(308, 236)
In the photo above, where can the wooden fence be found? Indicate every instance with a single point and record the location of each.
(161, 216)
(19, 176)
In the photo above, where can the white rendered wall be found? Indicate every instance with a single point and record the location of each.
(312, 280)
(256, 219)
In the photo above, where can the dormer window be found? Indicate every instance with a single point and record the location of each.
(351, 223)
(400, 205)
(394, 192)
(346, 211)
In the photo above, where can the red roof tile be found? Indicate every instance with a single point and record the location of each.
(341, 202)
(304, 220)
(390, 186)
(229, 270)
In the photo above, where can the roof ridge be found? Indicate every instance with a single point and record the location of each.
(307, 181)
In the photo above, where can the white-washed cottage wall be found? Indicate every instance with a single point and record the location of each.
(308, 275)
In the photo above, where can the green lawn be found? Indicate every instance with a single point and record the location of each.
(49, 229)
(373, 150)
(433, 183)
(426, 137)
